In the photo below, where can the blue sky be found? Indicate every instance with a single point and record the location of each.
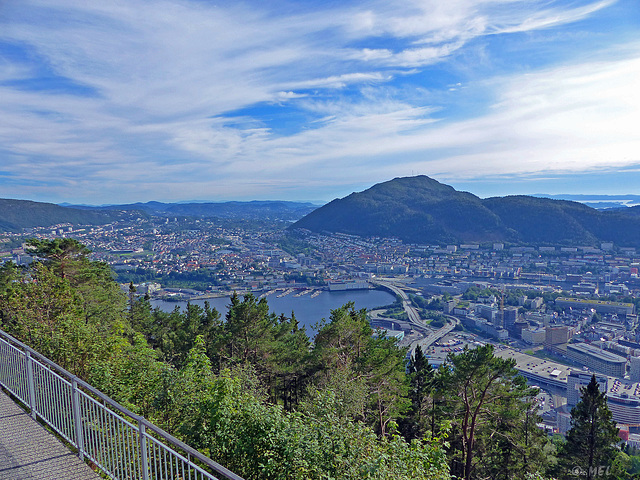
(118, 101)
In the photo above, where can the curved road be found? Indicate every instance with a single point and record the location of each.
(415, 320)
(435, 336)
(412, 313)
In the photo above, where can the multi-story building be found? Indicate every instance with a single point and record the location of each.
(487, 311)
(624, 404)
(555, 337)
(510, 317)
(624, 408)
(564, 420)
(540, 318)
(599, 306)
(534, 336)
(536, 303)
(450, 305)
(634, 373)
(597, 359)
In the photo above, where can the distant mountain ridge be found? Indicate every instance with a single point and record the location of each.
(16, 215)
(257, 209)
(423, 210)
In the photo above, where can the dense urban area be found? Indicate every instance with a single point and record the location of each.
(564, 313)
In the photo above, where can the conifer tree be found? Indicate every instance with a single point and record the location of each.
(591, 442)
(421, 384)
(60, 252)
(346, 344)
(487, 403)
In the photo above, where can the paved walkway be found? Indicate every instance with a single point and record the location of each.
(29, 452)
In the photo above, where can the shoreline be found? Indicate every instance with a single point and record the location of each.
(179, 296)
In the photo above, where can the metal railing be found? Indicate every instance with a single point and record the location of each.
(120, 443)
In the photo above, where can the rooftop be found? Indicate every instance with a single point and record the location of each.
(536, 366)
(587, 301)
(596, 352)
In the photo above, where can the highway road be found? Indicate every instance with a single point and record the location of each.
(412, 313)
(435, 336)
(416, 321)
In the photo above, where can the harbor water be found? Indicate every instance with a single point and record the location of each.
(308, 309)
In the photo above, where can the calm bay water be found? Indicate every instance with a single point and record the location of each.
(308, 310)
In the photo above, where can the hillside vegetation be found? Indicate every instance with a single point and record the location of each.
(263, 210)
(422, 210)
(18, 214)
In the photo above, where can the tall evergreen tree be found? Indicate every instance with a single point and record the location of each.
(66, 307)
(591, 442)
(346, 346)
(288, 362)
(421, 385)
(59, 252)
(487, 403)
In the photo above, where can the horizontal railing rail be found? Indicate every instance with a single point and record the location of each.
(120, 443)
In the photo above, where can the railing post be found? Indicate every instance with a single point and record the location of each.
(77, 418)
(143, 448)
(30, 384)
(4, 368)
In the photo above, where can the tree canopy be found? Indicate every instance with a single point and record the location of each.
(590, 446)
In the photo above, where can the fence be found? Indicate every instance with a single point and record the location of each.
(122, 444)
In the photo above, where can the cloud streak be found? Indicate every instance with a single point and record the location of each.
(155, 96)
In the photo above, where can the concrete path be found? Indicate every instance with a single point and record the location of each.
(29, 452)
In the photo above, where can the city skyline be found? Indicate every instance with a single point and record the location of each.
(171, 100)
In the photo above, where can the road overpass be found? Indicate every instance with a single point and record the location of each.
(416, 321)
(435, 336)
(412, 313)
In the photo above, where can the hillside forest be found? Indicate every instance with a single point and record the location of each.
(256, 394)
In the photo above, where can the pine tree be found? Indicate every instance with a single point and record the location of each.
(421, 384)
(591, 442)
(489, 407)
(346, 344)
(59, 252)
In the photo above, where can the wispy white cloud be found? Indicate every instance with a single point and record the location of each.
(341, 81)
(436, 29)
(161, 80)
(283, 96)
(548, 17)
(573, 119)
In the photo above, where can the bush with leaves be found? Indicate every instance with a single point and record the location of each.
(234, 425)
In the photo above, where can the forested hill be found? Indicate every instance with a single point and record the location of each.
(272, 210)
(422, 210)
(18, 214)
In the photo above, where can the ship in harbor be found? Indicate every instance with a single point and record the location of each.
(356, 285)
